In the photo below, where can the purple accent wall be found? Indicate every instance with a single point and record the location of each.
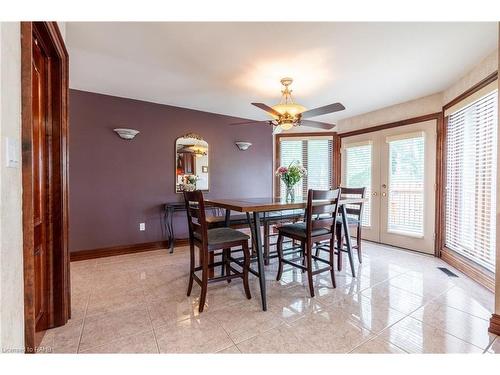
(115, 184)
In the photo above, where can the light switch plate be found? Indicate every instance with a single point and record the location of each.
(142, 226)
(12, 152)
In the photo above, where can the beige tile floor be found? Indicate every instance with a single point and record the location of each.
(398, 303)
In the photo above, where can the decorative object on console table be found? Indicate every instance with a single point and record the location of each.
(290, 176)
(189, 182)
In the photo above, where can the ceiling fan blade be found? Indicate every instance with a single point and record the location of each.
(335, 107)
(268, 109)
(317, 124)
(249, 122)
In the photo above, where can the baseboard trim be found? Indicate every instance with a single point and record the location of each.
(123, 249)
(494, 324)
(468, 269)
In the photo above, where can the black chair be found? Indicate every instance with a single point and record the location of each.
(210, 240)
(319, 225)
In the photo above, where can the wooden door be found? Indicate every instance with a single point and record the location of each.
(40, 183)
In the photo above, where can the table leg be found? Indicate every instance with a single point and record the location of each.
(227, 224)
(169, 224)
(347, 238)
(260, 259)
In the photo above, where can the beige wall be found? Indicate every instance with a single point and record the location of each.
(413, 108)
(428, 104)
(480, 71)
(11, 253)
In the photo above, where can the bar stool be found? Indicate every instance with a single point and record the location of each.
(208, 241)
(323, 206)
(354, 220)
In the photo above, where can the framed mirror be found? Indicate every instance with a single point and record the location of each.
(191, 163)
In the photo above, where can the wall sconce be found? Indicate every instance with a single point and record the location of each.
(126, 133)
(243, 146)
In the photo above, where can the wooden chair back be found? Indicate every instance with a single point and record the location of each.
(322, 209)
(197, 223)
(354, 210)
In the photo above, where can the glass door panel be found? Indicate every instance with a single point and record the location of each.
(360, 166)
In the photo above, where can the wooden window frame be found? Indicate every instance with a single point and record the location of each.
(476, 272)
(335, 156)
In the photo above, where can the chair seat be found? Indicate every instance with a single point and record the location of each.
(218, 236)
(299, 229)
(350, 220)
(213, 221)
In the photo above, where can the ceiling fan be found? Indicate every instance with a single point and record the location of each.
(288, 114)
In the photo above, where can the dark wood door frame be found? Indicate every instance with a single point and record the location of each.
(438, 117)
(59, 310)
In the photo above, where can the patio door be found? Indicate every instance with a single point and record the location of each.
(397, 166)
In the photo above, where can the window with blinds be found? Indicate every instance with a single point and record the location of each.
(315, 154)
(406, 185)
(358, 169)
(471, 180)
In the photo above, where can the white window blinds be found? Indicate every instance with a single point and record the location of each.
(358, 169)
(315, 154)
(406, 185)
(471, 180)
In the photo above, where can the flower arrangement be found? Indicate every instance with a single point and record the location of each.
(291, 175)
(189, 182)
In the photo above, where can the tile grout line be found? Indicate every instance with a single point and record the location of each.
(153, 329)
(490, 344)
(148, 303)
(83, 322)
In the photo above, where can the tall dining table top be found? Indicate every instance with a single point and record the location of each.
(270, 204)
(256, 206)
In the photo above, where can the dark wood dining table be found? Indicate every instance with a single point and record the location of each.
(255, 207)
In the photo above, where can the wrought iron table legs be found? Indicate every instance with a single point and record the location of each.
(169, 226)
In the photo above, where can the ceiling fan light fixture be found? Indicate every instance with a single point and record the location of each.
(287, 125)
(287, 114)
(292, 109)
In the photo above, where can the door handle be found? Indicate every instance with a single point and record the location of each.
(384, 194)
(374, 193)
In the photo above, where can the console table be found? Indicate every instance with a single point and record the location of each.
(168, 217)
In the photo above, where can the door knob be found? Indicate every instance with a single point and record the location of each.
(384, 186)
(374, 193)
(384, 194)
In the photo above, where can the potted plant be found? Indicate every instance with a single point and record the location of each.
(189, 182)
(290, 176)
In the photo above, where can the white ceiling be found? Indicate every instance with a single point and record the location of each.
(222, 67)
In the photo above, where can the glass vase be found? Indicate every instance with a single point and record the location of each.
(290, 194)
